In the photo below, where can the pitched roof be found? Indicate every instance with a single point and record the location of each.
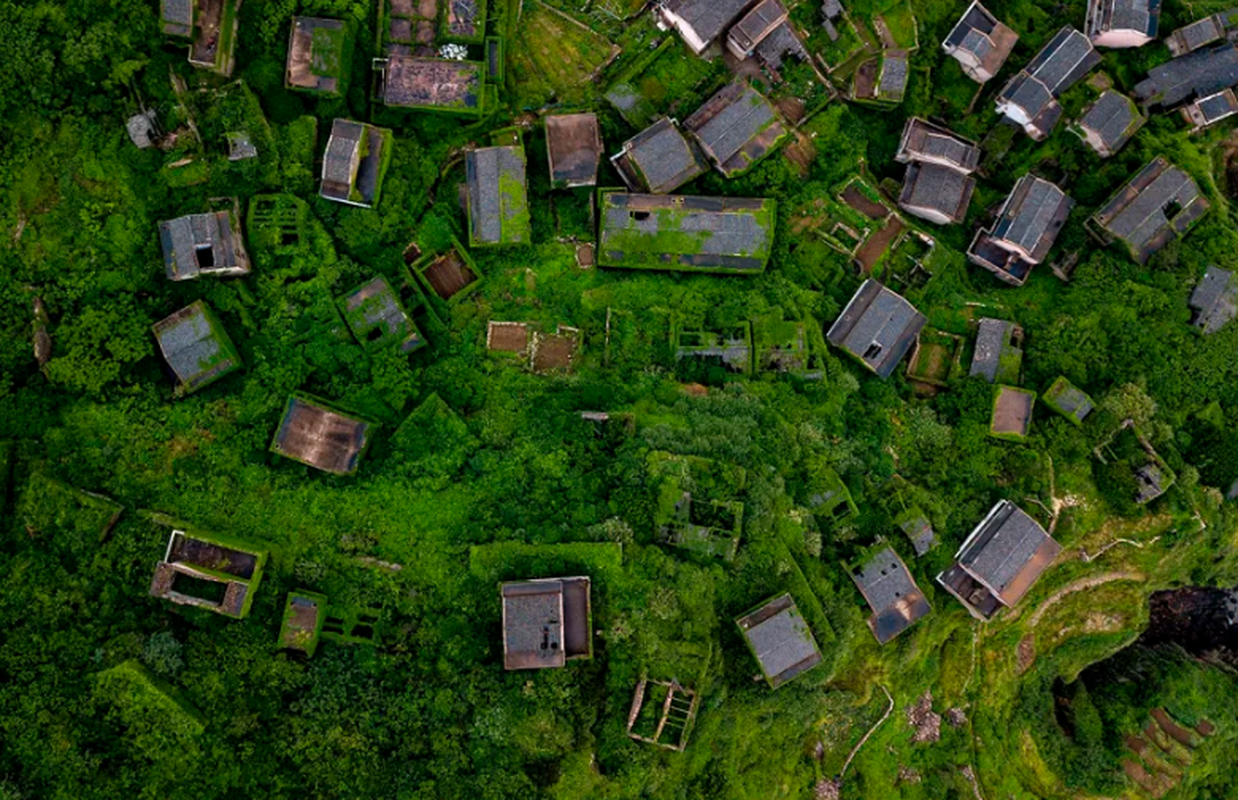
(736, 127)
(924, 141)
(707, 18)
(1008, 552)
(319, 437)
(894, 72)
(202, 243)
(195, 347)
(177, 17)
(992, 340)
(1063, 61)
(1113, 118)
(1215, 300)
(878, 327)
(498, 196)
(684, 232)
(892, 593)
(1032, 216)
(1195, 35)
(1159, 202)
(759, 22)
(1067, 399)
(574, 148)
(1140, 16)
(979, 41)
(659, 159)
(778, 45)
(780, 639)
(937, 188)
(351, 170)
(1199, 73)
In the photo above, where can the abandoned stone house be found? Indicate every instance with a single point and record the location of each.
(1109, 123)
(408, 81)
(1159, 203)
(754, 27)
(546, 622)
(574, 149)
(1068, 400)
(780, 640)
(996, 358)
(878, 327)
(374, 314)
(352, 165)
(980, 43)
(1030, 98)
(919, 531)
(659, 159)
(1199, 33)
(736, 128)
(1000, 561)
(1122, 23)
(892, 594)
(195, 347)
(209, 572)
(1012, 413)
(701, 23)
(1214, 302)
(498, 201)
(316, 50)
(1204, 112)
(203, 244)
(938, 185)
(320, 437)
(1199, 73)
(1026, 227)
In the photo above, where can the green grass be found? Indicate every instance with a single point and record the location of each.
(554, 57)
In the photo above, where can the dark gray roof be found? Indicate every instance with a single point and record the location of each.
(708, 18)
(1032, 216)
(1195, 35)
(781, 43)
(731, 122)
(321, 437)
(893, 595)
(533, 625)
(663, 157)
(1063, 61)
(756, 24)
(992, 339)
(781, 640)
(574, 148)
(177, 17)
(339, 161)
(1152, 482)
(894, 71)
(976, 21)
(878, 327)
(686, 232)
(1008, 551)
(924, 141)
(980, 43)
(933, 186)
(1200, 73)
(1030, 94)
(1142, 16)
(1217, 107)
(1215, 300)
(201, 243)
(193, 348)
(1138, 213)
(494, 214)
(1113, 118)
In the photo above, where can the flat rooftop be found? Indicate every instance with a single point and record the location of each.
(780, 639)
(416, 82)
(546, 622)
(321, 438)
(574, 147)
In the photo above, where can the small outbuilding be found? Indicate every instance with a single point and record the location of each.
(877, 327)
(304, 613)
(892, 594)
(1207, 111)
(1109, 123)
(318, 53)
(546, 622)
(659, 159)
(574, 149)
(997, 358)
(780, 640)
(1068, 400)
(376, 317)
(1197, 34)
(196, 347)
(203, 244)
(1214, 302)
(1000, 561)
(320, 437)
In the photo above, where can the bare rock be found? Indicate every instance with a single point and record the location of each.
(927, 724)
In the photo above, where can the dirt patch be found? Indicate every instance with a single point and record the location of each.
(448, 275)
(694, 389)
(1205, 728)
(866, 80)
(508, 337)
(791, 108)
(801, 153)
(869, 208)
(585, 255)
(883, 30)
(1176, 732)
(554, 352)
(926, 723)
(1136, 744)
(877, 245)
(1025, 654)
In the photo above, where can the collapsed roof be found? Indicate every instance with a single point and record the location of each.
(1160, 202)
(878, 327)
(203, 244)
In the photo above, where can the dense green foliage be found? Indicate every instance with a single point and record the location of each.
(481, 471)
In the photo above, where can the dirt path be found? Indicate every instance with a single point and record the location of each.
(871, 731)
(1080, 585)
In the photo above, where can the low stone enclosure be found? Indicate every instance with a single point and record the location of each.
(449, 275)
(540, 351)
(209, 572)
(662, 713)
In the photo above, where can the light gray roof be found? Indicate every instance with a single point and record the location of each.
(1195, 35)
(742, 114)
(1064, 60)
(1032, 216)
(1137, 214)
(1215, 300)
(894, 71)
(782, 641)
(1008, 551)
(188, 240)
(141, 127)
(1200, 73)
(686, 232)
(338, 164)
(194, 350)
(920, 531)
(708, 18)
(991, 341)
(1217, 107)
(893, 595)
(177, 16)
(533, 625)
(878, 327)
(664, 157)
(939, 188)
(1113, 117)
(493, 211)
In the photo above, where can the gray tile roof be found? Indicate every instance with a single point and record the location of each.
(1063, 61)
(1217, 107)
(936, 188)
(663, 157)
(1215, 300)
(1008, 551)
(894, 72)
(731, 123)
(1195, 35)
(878, 327)
(1032, 216)
(202, 243)
(1113, 118)
(992, 339)
(374, 306)
(1158, 202)
(781, 43)
(924, 141)
(342, 157)
(1028, 93)
(495, 214)
(893, 595)
(194, 348)
(1141, 16)
(980, 43)
(707, 18)
(177, 17)
(574, 148)
(533, 625)
(1200, 73)
(782, 642)
(754, 26)
(726, 233)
